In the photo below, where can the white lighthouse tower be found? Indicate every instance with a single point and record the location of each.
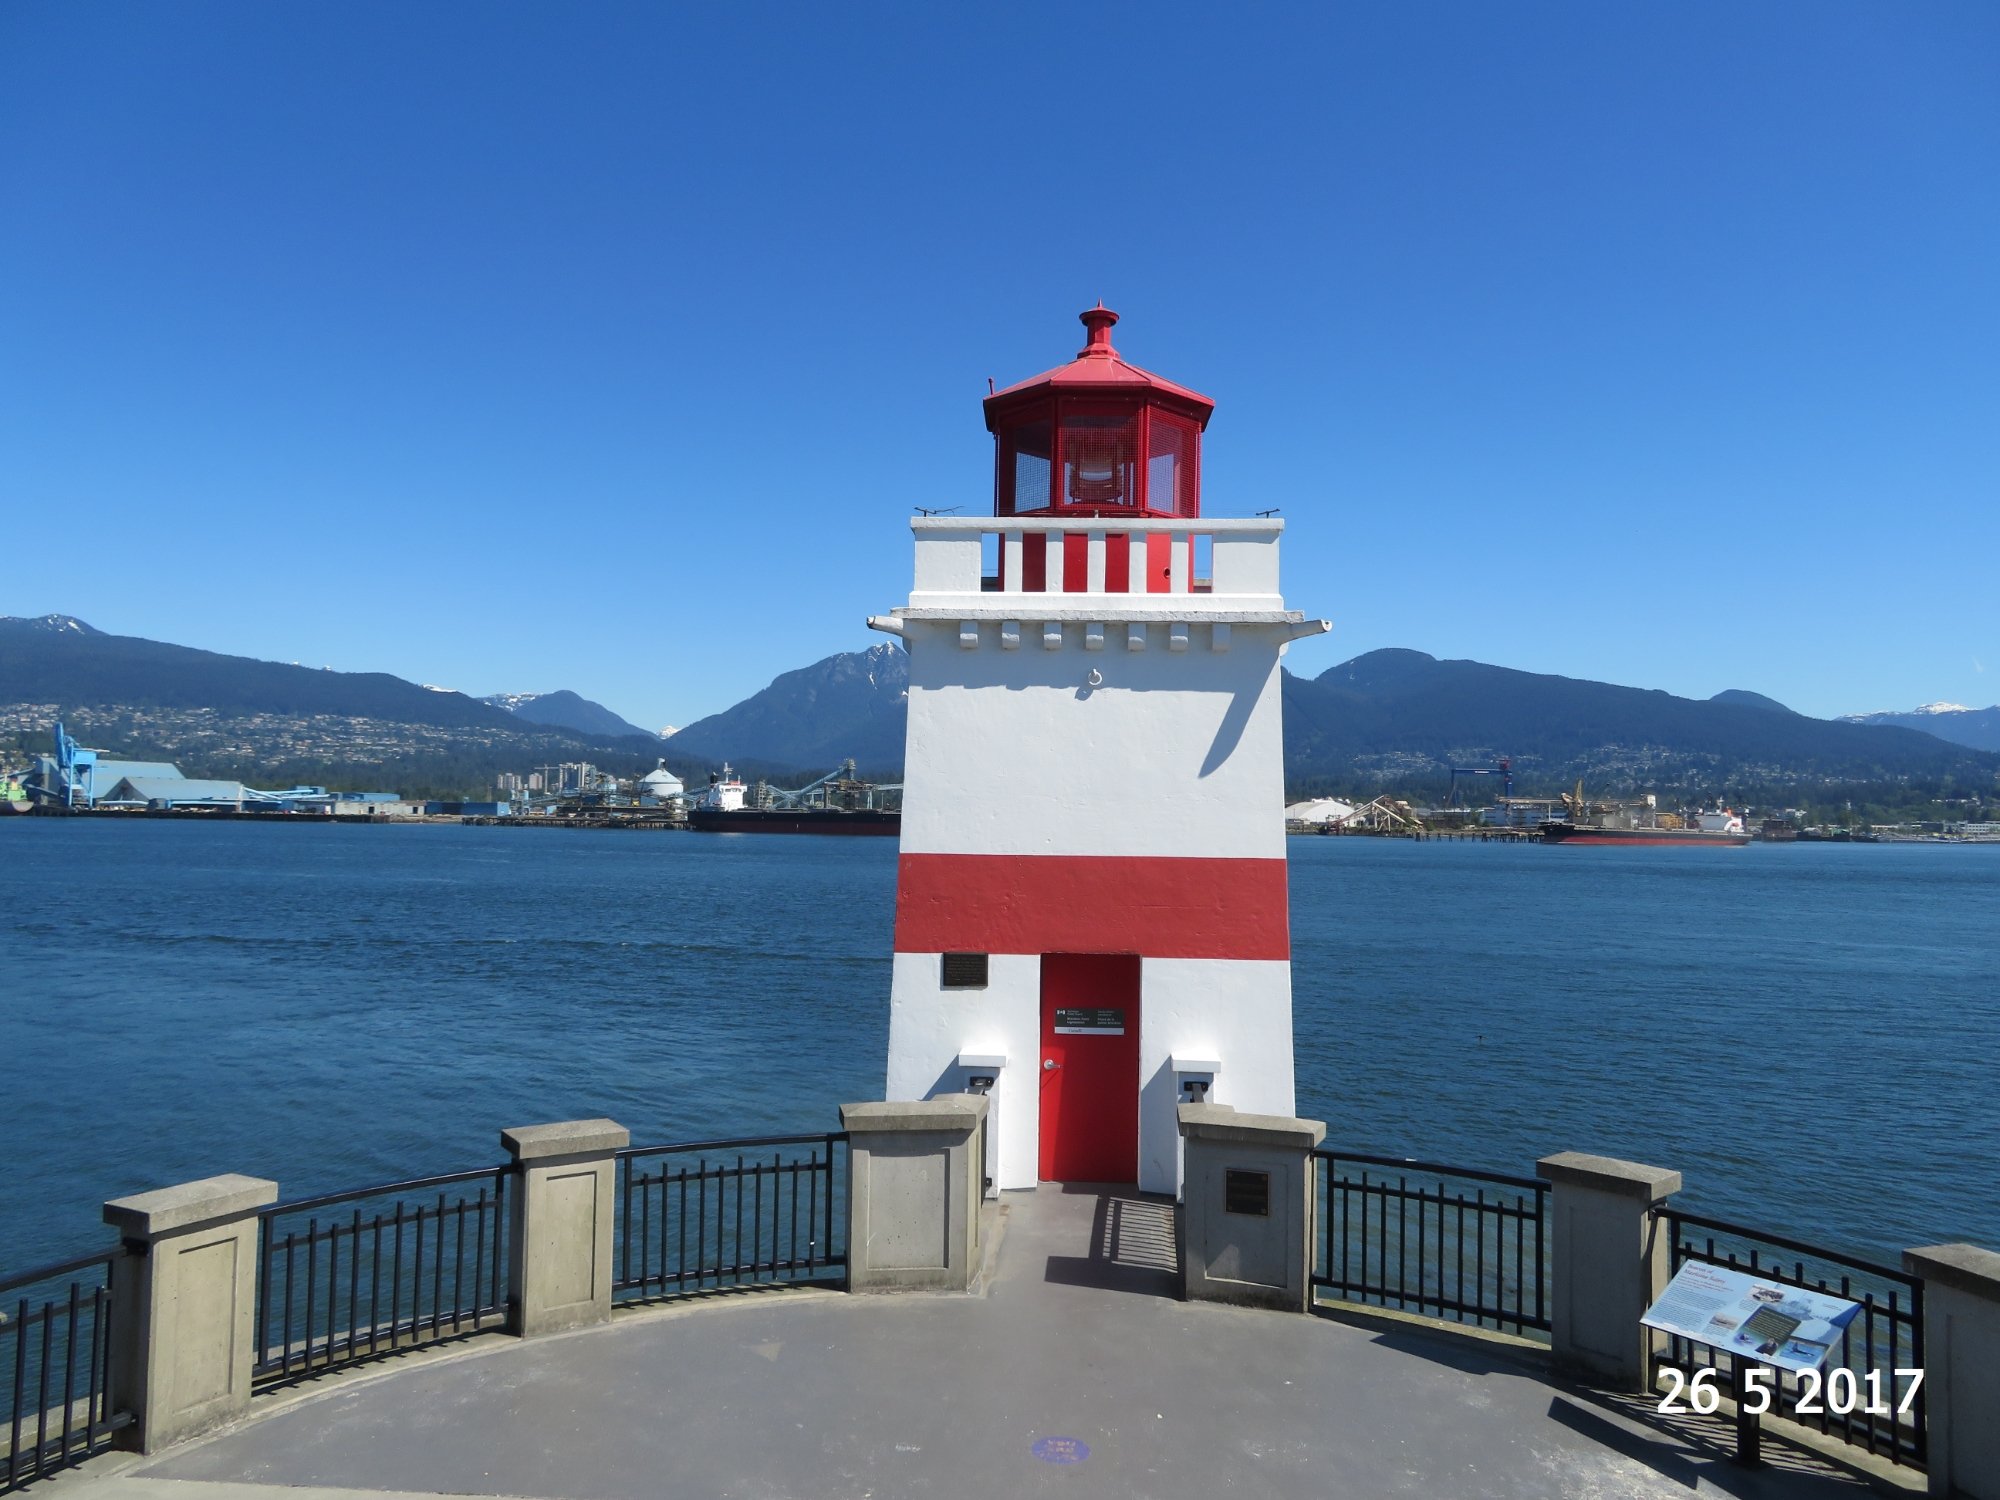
(1090, 905)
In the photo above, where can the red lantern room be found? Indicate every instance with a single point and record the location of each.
(1097, 437)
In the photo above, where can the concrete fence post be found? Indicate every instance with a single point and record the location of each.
(1961, 1366)
(1610, 1258)
(1247, 1212)
(183, 1332)
(914, 1188)
(559, 1241)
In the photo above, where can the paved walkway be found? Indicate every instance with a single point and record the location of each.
(1075, 1374)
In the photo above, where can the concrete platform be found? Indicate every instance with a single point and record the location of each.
(1074, 1373)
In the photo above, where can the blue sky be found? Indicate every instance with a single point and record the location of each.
(609, 347)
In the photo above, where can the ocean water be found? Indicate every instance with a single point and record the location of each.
(1811, 1034)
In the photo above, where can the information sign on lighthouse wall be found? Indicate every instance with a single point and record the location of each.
(1094, 788)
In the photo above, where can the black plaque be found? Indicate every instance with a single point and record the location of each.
(1090, 1021)
(965, 971)
(1246, 1192)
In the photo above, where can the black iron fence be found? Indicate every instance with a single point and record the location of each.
(55, 1356)
(710, 1214)
(349, 1276)
(1443, 1242)
(1880, 1406)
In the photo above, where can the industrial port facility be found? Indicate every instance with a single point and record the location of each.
(76, 780)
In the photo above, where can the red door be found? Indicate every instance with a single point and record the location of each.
(1090, 1067)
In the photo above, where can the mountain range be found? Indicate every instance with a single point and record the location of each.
(1391, 719)
(269, 722)
(1404, 718)
(1977, 727)
(850, 705)
(567, 710)
(60, 659)
(1401, 719)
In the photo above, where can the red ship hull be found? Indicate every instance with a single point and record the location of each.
(1569, 833)
(804, 820)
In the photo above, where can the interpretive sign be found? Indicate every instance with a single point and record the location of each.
(1098, 1022)
(1736, 1313)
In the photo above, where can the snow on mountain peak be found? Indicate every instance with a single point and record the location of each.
(1892, 713)
(53, 624)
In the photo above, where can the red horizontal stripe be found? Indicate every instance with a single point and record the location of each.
(1060, 903)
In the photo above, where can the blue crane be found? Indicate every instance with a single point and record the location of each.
(74, 766)
(1505, 769)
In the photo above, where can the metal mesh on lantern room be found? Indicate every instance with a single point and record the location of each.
(1099, 457)
(1172, 472)
(1027, 466)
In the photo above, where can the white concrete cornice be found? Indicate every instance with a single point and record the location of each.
(1171, 609)
(1198, 526)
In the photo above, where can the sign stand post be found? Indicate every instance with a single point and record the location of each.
(1749, 1425)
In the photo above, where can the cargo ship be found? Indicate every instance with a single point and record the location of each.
(720, 809)
(1641, 823)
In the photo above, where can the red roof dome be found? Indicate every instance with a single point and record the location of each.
(1098, 369)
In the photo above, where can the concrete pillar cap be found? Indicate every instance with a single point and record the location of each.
(565, 1138)
(1221, 1122)
(1607, 1174)
(952, 1112)
(1964, 1268)
(145, 1216)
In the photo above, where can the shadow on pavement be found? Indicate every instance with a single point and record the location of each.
(1711, 1463)
(1132, 1247)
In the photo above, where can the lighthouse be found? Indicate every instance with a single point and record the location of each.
(1091, 920)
